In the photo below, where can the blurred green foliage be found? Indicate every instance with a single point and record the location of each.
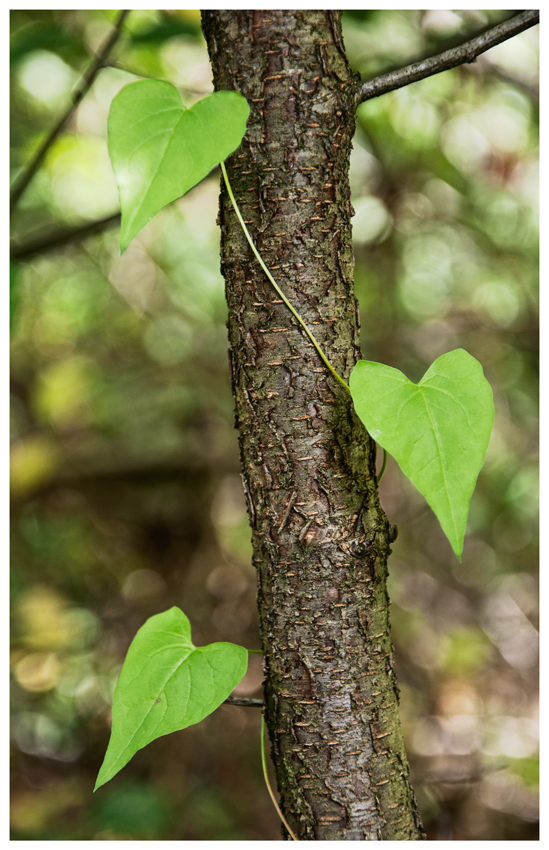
(125, 475)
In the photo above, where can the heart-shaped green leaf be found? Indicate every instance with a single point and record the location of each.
(159, 149)
(437, 431)
(167, 684)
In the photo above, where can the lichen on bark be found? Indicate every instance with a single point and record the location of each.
(320, 538)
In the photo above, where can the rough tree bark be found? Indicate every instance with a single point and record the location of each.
(320, 537)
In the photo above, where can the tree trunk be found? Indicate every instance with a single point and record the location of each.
(320, 537)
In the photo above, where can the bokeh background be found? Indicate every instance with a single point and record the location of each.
(125, 472)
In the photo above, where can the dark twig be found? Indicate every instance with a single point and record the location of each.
(50, 241)
(461, 55)
(59, 238)
(250, 703)
(23, 179)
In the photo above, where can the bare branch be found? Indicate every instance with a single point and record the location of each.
(461, 55)
(23, 179)
(50, 241)
(250, 703)
(57, 239)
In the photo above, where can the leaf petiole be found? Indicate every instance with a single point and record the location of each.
(383, 465)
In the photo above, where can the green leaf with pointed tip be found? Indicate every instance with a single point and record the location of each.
(167, 684)
(437, 430)
(159, 149)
